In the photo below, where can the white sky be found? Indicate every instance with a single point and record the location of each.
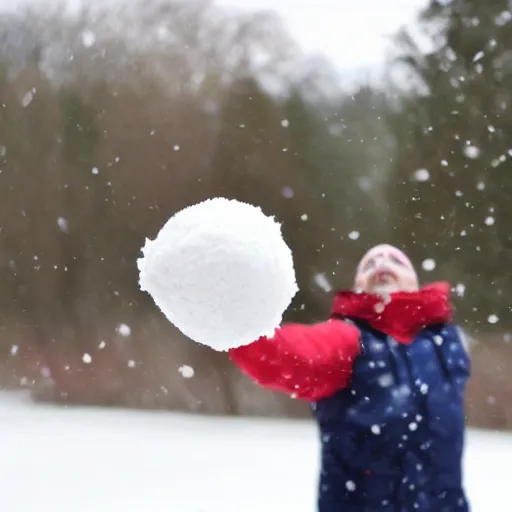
(353, 34)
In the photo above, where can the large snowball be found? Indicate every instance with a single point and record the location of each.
(221, 272)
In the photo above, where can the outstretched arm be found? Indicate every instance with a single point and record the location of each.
(309, 362)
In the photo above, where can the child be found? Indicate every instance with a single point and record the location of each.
(385, 376)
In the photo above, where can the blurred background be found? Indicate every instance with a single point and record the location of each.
(353, 123)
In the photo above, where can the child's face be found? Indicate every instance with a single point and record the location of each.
(385, 269)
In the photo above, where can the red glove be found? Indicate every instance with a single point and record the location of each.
(308, 362)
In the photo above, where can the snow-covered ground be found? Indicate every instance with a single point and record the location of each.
(100, 460)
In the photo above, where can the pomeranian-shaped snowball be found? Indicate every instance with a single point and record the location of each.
(221, 272)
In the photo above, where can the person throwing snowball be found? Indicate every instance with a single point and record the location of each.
(385, 376)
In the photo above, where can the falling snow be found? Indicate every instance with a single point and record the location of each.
(88, 38)
(422, 175)
(186, 371)
(124, 329)
(438, 340)
(428, 264)
(322, 281)
(86, 358)
(63, 224)
(285, 123)
(493, 319)
(386, 380)
(471, 151)
(364, 183)
(503, 18)
(478, 56)
(354, 235)
(350, 486)
(28, 97)
(287, 192)
(379, 307)
(375, 429)
(460, 289)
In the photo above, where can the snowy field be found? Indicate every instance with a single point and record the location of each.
(94, 460)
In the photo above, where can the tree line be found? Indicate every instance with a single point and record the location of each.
(106, 132)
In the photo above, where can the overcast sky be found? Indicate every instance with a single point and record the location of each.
(353, 34)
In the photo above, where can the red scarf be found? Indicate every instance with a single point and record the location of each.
(404, 316)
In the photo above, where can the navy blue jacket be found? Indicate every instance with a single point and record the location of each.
(392, 441)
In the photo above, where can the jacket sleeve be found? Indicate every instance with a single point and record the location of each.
(307, 362)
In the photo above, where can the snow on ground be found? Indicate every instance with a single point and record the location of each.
(102, 460)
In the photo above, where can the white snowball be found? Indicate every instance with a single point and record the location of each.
(221, 272)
